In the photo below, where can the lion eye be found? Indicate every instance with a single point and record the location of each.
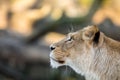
(70, 39)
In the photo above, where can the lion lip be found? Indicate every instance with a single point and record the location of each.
(59, 61)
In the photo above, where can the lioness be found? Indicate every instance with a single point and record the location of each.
(88, 52)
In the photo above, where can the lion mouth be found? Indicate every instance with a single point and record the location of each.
(59, 61)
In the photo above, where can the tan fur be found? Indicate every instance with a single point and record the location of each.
(96, 61)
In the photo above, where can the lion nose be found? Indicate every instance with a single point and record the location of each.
(52, 48)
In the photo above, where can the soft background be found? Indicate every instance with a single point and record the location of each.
(28, 27)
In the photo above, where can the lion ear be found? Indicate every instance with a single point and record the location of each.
(91, 33)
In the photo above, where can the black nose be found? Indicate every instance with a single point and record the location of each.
(52, 47)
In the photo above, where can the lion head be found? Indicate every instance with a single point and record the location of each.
(89, 52)
(75, 47)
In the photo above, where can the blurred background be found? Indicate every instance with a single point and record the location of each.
(28, 27)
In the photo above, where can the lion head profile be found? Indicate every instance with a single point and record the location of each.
(89, 52)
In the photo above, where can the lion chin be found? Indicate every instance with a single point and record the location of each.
(54, 64)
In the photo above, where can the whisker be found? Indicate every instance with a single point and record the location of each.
(71, 28)
(66, 72)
